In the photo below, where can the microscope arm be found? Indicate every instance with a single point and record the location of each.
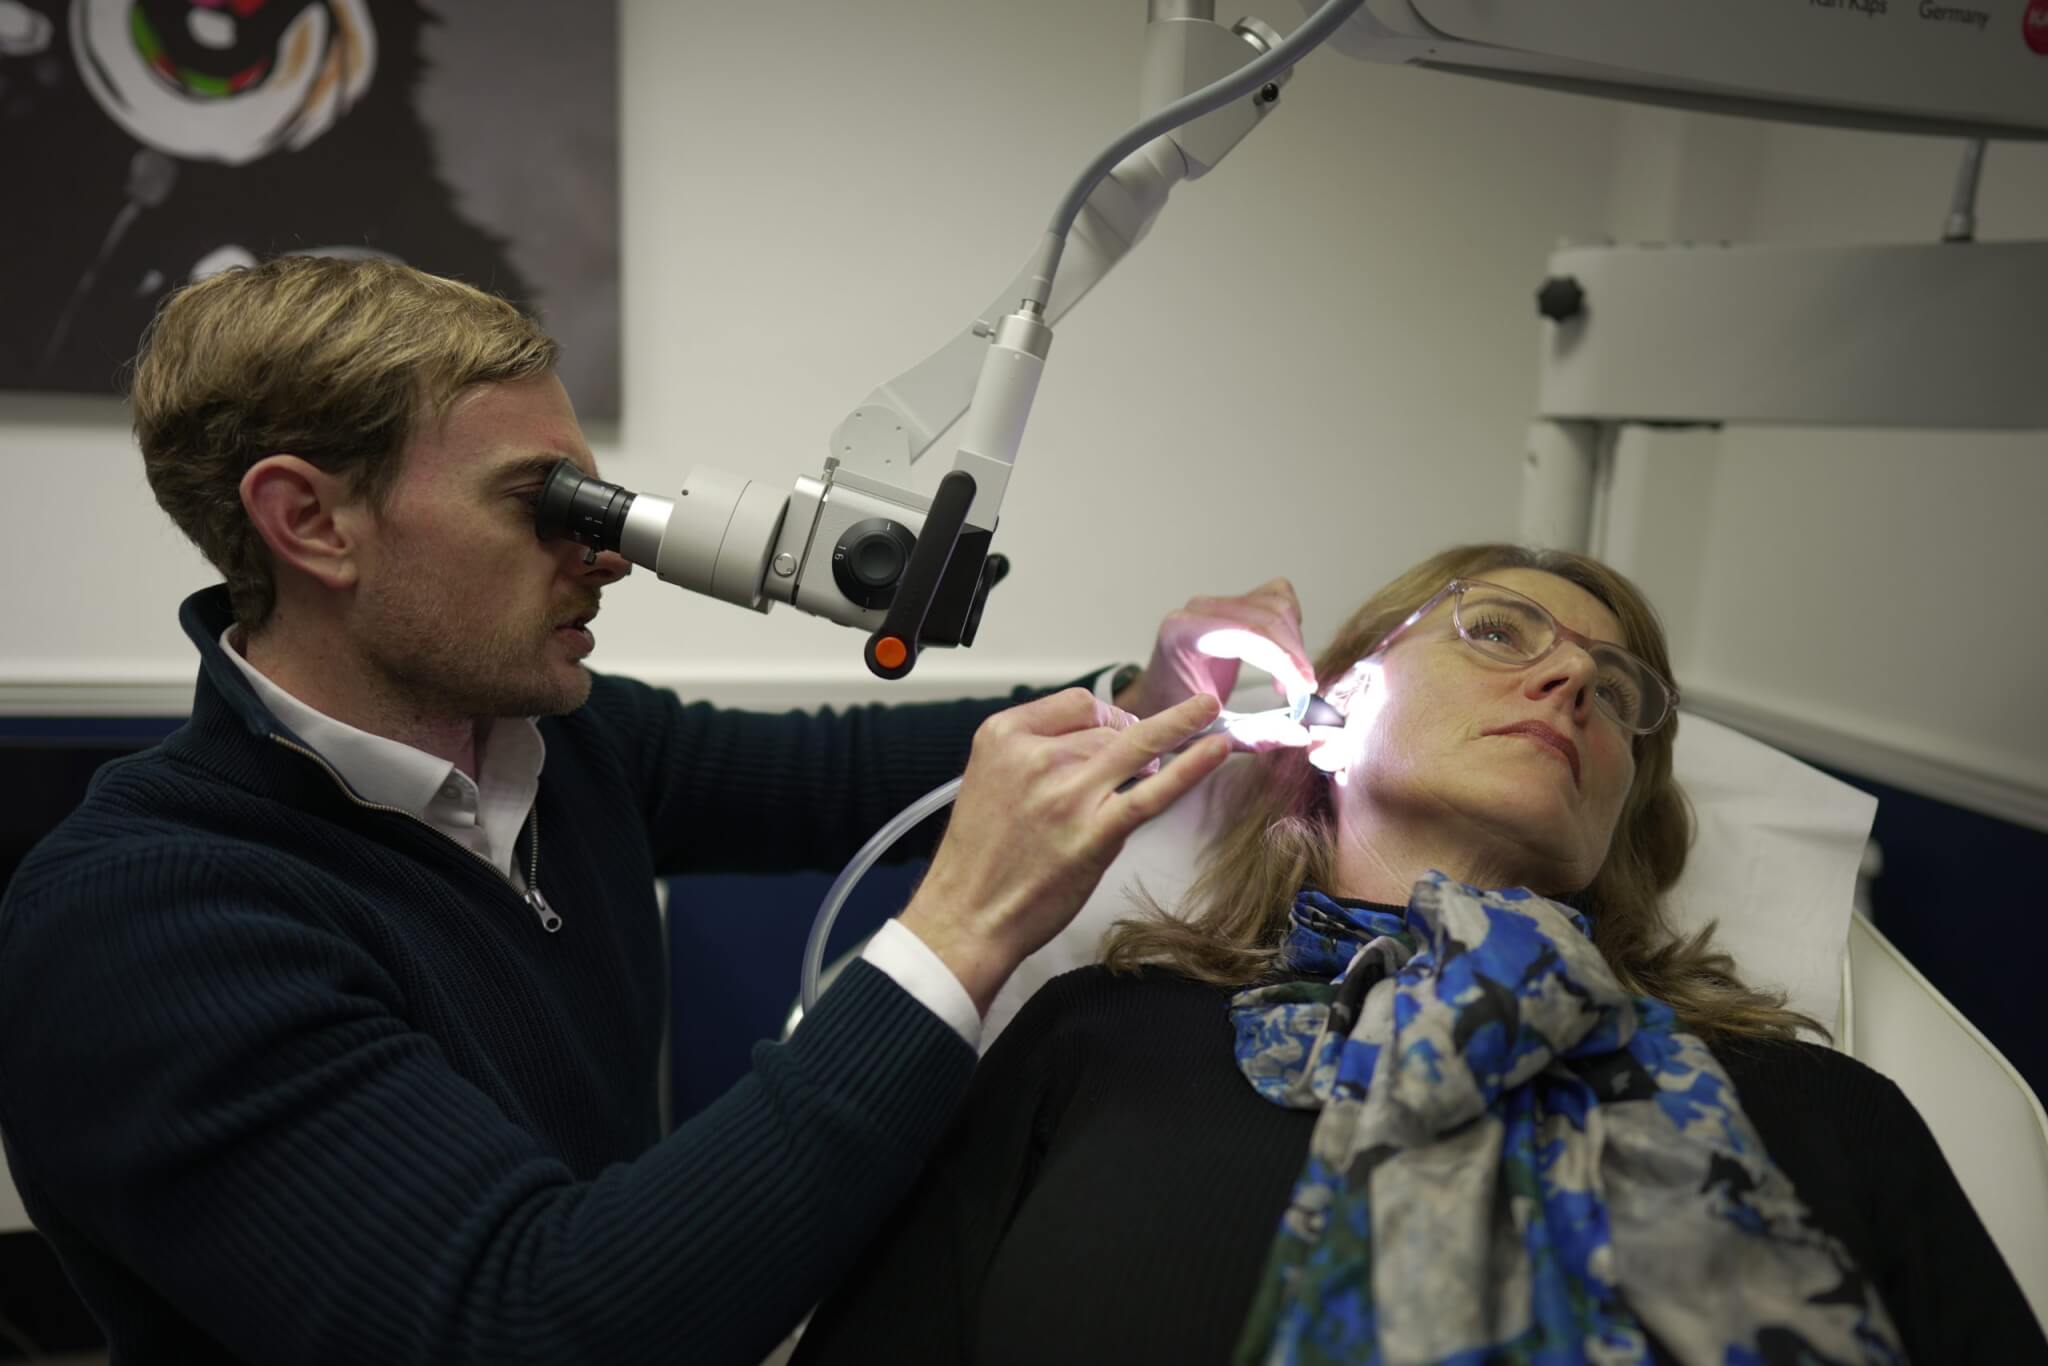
(901, 419)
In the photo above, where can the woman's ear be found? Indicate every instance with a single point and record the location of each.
(1359, 694)
(1353, 685)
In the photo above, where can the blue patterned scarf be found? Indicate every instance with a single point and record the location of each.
(1516, 1161)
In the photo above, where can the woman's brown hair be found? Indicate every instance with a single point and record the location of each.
(1278, 835)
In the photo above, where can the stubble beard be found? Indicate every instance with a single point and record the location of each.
(438, 662)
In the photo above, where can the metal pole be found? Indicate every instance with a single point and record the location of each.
(1560, 473)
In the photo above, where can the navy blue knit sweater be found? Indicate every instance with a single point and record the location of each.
(286, 1077)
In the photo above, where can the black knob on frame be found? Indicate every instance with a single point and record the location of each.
(1561, 299)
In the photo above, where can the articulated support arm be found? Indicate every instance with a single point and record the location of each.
(1184, 51)
(857, 544)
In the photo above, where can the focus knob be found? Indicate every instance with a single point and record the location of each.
(869, 559)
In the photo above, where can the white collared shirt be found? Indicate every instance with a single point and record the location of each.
(485, 817)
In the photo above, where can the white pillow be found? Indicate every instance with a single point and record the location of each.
(1775, 864)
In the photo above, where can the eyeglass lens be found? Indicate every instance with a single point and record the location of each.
(1516, 629)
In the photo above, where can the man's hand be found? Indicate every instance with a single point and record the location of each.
(1038, 820)
(1200, 646)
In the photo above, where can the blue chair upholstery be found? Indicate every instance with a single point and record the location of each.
(735, 946)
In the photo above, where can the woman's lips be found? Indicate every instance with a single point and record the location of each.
(1536, 730)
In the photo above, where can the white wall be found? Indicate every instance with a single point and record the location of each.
(1319, 365)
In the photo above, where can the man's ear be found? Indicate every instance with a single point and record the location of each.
(305, 517)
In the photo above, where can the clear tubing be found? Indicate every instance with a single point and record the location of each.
(1187, 109)
(855, 869)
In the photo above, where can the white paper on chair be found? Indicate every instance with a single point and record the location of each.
(1775, 862)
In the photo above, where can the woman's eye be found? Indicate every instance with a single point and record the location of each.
(1619, 696)
(1496, 630)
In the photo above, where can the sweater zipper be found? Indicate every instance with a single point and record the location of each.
(535, 902)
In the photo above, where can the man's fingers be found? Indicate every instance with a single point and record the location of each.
(1279, 593)
(1275, 596)
(1060, 713)
(1141, 745)
(1076, 747)
(1267, 615)
(1261, 652)
(1141, 801)
(1114, 717)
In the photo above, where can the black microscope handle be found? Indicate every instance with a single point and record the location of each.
(891, 652)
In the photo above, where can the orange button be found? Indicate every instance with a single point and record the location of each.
(889, 652)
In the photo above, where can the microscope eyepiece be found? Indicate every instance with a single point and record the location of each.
(574, 506)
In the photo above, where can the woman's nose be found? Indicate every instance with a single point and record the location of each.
(1570, 668)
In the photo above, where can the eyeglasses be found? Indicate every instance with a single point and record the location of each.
(1502, 624)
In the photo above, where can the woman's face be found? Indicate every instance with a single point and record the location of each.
(1513, 766)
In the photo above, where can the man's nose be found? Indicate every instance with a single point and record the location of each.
(609, 567)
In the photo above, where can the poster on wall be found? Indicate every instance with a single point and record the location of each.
(148, 143)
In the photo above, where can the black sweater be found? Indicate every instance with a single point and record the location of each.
(1113, 1185)
(285, 1077)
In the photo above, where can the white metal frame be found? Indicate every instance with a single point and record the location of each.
(1936, 336)
(1984, 1116)
(1939, 336)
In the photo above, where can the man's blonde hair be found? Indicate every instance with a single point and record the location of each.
(334, 361)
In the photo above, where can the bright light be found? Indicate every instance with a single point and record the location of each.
(1234, 642)
(1359, 694)
(1267, 729)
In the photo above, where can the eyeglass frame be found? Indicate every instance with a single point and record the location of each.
(1560, 634)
